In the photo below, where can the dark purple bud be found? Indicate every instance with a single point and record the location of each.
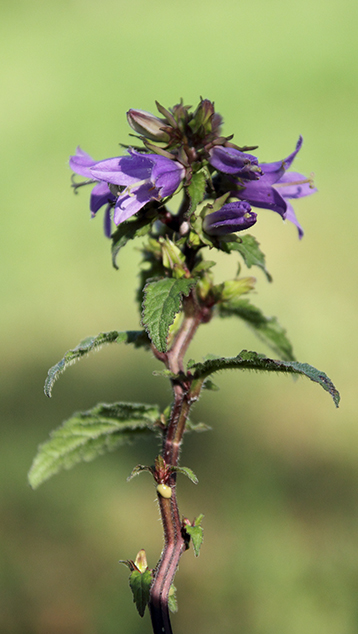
(232, 217)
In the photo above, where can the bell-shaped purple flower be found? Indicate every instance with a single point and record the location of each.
(81, 163)
(275, 186)
(229, 160)
(232, 217)
(146, 177)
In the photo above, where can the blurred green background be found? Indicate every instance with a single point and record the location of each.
(279, 471)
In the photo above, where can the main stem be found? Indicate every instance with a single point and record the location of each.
(174, 542)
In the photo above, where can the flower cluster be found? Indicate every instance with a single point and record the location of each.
(190, 142)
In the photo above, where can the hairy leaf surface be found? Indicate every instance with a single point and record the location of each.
(137, 337)
(89, 434)
(197, 534)
(196, 189)
(140, 583)
(253, 361)
(249, 249)
(162, 301)
(189, 473)
(172, 599)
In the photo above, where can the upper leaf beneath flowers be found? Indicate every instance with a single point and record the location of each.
(162, 301)
(249, 249)
(137, 337)
(196, 189)
(252, 361)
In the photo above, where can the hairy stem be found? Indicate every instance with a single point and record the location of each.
(174, 542)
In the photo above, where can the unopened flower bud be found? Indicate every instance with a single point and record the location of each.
(203, 115)
(147, 125)
(141, 561)
(172, 257)
(232, 289)
(232, 217)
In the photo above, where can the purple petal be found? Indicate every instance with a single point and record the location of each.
(166, 175)
(128, 204)
(230, 161)
(295, 185)
(274, 171)
(123, 170)
(260, 194)
(81, 163)
(291, 216)
(100, 195)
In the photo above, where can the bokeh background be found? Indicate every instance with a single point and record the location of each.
(279, 471)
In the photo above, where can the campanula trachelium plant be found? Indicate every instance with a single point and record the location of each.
(222, 189)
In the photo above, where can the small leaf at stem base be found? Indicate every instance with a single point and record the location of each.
(172, 599)
(187, 472)
(140, 583)
(196, 533)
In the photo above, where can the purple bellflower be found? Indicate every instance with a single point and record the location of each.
(142, 180)
(145, 177)
(235, 216)
(265, 185)
(101, 195)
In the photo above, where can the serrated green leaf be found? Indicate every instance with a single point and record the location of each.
(250, 250)
(188, 473)
(196, 189)
(267, 329)
(162, 301)
(87, 435)
(197, 534)
(204, 265)
(253, 361)
(140, 583)
(172, 599)
(137, 337)
(137, 470)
